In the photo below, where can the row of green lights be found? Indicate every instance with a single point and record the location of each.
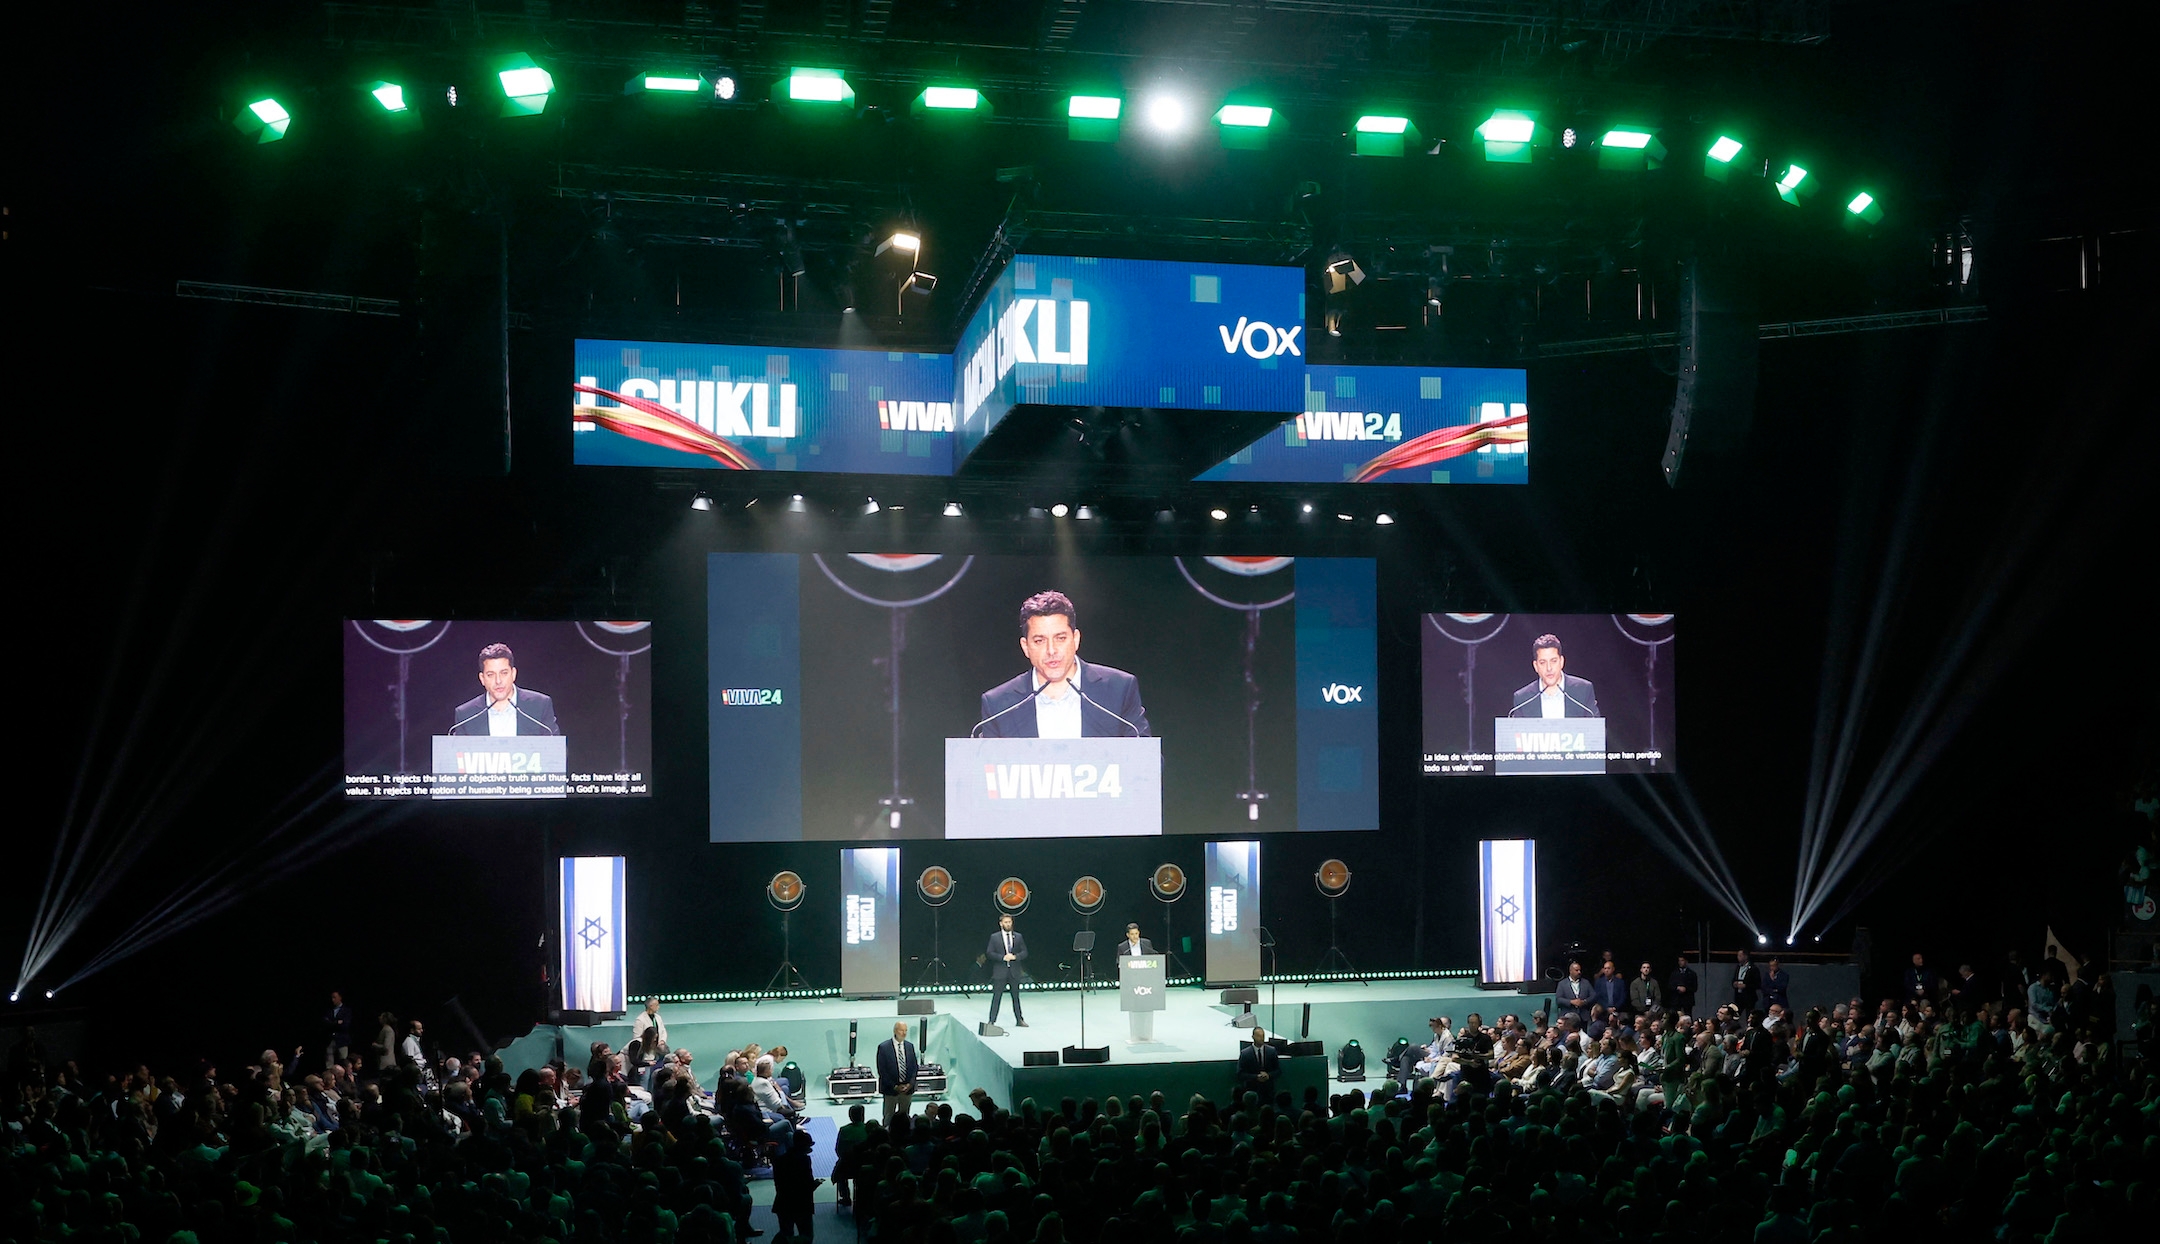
(526, 89)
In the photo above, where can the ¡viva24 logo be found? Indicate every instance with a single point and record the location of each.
(1260, 339)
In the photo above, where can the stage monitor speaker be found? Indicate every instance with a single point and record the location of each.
(988, 1030)
(1039, 1058)
(1720, 342)
(922, 1036)
(581, 1019)
(1087, 1054)
(1246, 1020)
(918, 1006)
(1537, 987)
(1298, 1049)
(1240, 997)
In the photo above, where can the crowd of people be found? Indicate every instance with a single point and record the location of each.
(1951, 1113)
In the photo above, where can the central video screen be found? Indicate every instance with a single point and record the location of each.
(878, 696)
(1541, 693)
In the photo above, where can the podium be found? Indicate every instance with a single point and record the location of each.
(480, 766)
(1053, 788)
(1141, 993)
(1549, 745)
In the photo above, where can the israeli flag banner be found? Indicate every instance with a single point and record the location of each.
(1507, 897)
(591, 936)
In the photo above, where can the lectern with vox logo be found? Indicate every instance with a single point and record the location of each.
(1141, 988)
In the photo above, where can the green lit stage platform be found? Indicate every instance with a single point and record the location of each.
(1194, 1051)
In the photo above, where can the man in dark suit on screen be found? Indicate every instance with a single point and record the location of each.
(1554, 692)
(1006, 954)
(503, 708)
(896, 1065)
(1059, 697)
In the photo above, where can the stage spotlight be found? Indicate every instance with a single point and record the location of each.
(526, 86)
(1350, 1062)
(1218, 514)
(1246, 116)
(1166, 515)
(1384, 519)
(1087, 896)
(1093, 118)
(701, 502)
(902, 240)
(1344, 517)
(14, 995)
(949, 99)
(1083, 513)
(1166, 114)
(1381, 135)
(1058, 510)
(390, 95)
(266, 119)
(952, 509)
(1396, 1051)
(1762, 939)
(1863, 208)
(870, 506)
(1630, 149)
(795, 504)
(1790, 184)
(785, 891)
(1717, 163)
(1508, 134)
(1332, 878)
(48, 995)
(667, 83)
(1012, 896)
(724, 87)
(1305, 508)
(819, 86)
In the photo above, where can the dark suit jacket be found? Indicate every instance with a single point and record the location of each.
(1254, 1059)
(1581, 698)
(1123, 949)
(536, 715)
(996, 952)
(895, 1067)
(1108, 691)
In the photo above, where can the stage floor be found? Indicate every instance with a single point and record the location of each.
(1194, 1051)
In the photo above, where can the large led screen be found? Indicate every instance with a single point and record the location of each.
(1548, 693)
(1395, 425)
(874, 696)
(761, 408)
(497, 710)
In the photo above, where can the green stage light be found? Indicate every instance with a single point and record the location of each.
(1861, 202)
(526, 86)
(1724, 149)
(951, 97)
(390, 95)
(1793, 183)
(1508, 135)
(1381, 134)
(1094, 107)
(1631, 149)
(1863, 208)
(266, 119)
(819, 86)
(1248, 116)
(679, 84)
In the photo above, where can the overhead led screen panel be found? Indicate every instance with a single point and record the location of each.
(1395, 425)
(1156, 334)
(757, 408)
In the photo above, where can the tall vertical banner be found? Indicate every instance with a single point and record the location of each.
(1233, 913)
(1507, 903)
(870, 921)
(591, 935)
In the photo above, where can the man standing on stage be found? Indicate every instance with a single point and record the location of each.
(1007, 951)
(896, 1064)
(1134, 944)
(1257, 1066)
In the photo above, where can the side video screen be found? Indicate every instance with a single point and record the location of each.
(1544, 693)
(873, 696)
(497, 710)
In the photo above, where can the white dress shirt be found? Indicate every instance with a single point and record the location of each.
(502, 718)
(1552, 702)
(1058, 718)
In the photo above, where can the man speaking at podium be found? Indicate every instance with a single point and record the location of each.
(1554, 692)
(503, 708)
(1059, 697)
